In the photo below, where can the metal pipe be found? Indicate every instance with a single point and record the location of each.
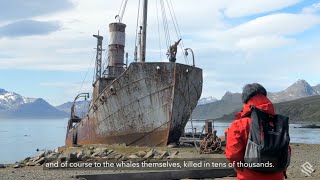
(144, 32)
(186, 53)
(85, 95)
(127, 56)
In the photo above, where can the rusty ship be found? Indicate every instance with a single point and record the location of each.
(144, 103)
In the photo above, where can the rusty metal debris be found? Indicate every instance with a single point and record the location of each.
(211, 144)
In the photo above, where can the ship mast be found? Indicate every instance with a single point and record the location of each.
(144, 32)
(98, 56)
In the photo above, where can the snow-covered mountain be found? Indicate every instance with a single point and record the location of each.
(13, 105)
(206, 100)
(10, 99)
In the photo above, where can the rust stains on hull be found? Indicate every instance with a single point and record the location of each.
(157, 138)
(149, 104)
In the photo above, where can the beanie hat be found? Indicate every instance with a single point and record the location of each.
(251, 90)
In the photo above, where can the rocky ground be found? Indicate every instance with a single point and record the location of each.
(32, 167)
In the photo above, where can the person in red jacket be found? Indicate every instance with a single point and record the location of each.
(253, 94)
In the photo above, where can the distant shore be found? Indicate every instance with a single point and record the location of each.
(301, 153)
(294, 122)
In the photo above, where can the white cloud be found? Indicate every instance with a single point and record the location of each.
(222, 48)
(239, 8)
(69, 49)
(276, 24)
(263, 42)
(314, 8)
(266, 32)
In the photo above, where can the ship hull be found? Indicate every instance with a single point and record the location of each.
(149, 104)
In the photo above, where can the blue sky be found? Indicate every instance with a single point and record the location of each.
(46, 47)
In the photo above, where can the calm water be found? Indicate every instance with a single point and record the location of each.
(20, 138)
(297, 135)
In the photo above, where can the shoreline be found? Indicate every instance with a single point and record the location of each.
(292, 123)
(301, 153)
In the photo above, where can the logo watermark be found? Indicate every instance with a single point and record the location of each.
(307, 168)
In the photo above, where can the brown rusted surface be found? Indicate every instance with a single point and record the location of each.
(211, 144)
(149, 104)
(158, 138)
(208, 127)
(187, 91)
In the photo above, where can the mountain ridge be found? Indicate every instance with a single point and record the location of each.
(231, 102)
(10, 99)
(303, 110)
(81, 108)
(13, 105)
(299, 89)
(206, 100)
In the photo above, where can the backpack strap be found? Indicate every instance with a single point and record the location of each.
(255, 126)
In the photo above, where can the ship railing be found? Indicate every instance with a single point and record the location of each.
(112, 72)
(74, 119)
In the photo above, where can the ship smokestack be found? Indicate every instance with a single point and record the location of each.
(117, 44)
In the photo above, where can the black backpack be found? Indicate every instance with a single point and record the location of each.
(267, 149)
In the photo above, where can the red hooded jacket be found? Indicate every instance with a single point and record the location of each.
(238, 136)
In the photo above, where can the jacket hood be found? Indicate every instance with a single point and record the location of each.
(260, 101)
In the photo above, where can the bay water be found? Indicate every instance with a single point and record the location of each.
(20, 138)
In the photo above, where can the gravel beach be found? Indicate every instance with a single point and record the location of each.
(301, 153)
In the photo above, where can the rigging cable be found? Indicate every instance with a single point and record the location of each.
(120, 10)
(177, 29)
(165, 25)
(138, 17)
(123, 10)
(159, 31)
(86, 74)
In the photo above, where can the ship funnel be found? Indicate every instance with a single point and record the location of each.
(117, 44)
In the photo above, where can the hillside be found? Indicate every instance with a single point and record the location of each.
(228, 103)
(317, 88)
(82, 107)
(11, 99)
(231, 102)
(299, 111)
(37, 109)
(13, 105)
(299, 89)
(206, 100)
